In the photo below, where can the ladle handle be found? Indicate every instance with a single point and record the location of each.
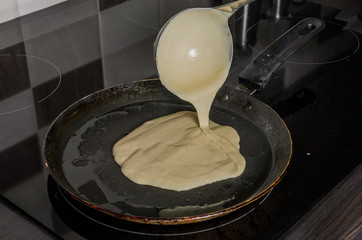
(233, 6)
(258, 72)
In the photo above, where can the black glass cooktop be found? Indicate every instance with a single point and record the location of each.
(52, 57)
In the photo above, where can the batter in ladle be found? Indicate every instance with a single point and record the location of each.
(177, 152)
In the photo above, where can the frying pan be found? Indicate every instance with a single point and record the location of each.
(78, 154)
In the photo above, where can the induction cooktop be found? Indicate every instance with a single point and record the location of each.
(53, 57)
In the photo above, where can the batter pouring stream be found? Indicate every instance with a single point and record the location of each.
(182, 151)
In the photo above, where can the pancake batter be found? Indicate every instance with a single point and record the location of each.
(181, 151)
(173, 153)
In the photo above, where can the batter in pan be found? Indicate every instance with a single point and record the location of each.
(172, 152)
(183, 150)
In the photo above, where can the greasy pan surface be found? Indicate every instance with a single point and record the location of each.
(78, 154)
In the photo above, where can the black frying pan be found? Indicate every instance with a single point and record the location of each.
(78, 154)
(78, 145)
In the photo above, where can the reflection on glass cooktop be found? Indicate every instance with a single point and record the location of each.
(51, 58)
(80, 218)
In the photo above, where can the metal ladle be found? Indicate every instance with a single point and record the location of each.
(188, 74)
(229, 7)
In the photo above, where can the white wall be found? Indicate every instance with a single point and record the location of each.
(11, 9)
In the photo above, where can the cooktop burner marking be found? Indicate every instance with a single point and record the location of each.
(44, 98)
(161, 234)
(17, 110)
(55, 67)
(239, 18)
(266, 196)
(134, 20)
(318, 62)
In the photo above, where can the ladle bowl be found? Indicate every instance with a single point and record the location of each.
(193, 53)
(229, 9)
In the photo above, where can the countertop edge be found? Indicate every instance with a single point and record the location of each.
(338, 215)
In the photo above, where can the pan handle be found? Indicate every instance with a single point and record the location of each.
(258, 72)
